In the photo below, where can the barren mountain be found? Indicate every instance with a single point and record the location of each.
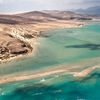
(52, 15)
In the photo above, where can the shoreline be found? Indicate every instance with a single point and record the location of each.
(85, 72)
(34, 41)
(11, 59)
(34, 44)
(19, 77)
(27, 77)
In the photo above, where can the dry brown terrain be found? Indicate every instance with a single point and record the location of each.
(11, 46)
(18, 31)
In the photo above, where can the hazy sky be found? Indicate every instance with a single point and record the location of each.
(26, 5)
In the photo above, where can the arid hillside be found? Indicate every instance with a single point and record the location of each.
(50, 15)
(18, 31)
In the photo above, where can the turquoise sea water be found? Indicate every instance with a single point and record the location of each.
(74, 48)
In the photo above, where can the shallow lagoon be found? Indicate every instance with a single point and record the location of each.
(74, 48)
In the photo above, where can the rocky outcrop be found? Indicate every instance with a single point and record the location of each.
(11, 46)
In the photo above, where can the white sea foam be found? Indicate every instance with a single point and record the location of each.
(43, 80)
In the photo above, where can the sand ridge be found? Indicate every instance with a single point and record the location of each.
(14, 78)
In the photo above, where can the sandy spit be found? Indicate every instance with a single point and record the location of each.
(85, 72)
(26, 77)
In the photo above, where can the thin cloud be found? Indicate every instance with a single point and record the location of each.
(26, 5)
(1, 1)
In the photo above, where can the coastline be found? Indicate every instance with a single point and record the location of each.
(38, 29)
(25, 77)
(16, 78)
(85, 72)
(34, 42)
(11, 59)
